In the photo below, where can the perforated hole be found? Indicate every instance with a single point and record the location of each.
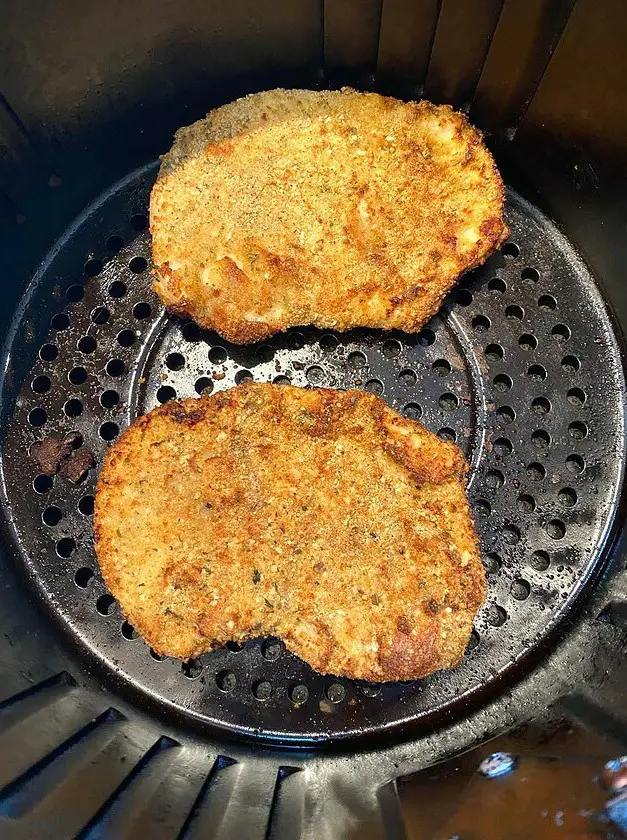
(494, 352)
(577, 430)
(537, 373)
(528, 342)
(192, 669)
(109, 431)
(547, 303)
(65, 547)
(83, 577)
(560, 332)
(335, 693)
(492, 563)
(138, 265)
(502, 382)
(86, 505)
(510, 250)
(441, 367)
(496, 615)
(575, 463)
(540, 561)
(481, 507)
(570, 364)
(328, 343)
(105, 604)
(138, 222)
(408, 377)
(271, 649)
(41, 384)
(556, 529)
(541, 439)
(299, 694)
(60, 322)
(52, 516)
(535, 471)
(495, 479)
(426, 337)
(356, 360)
(502, 447)
(73, 408)
(115, 367)
(576, 396)
(481, 324)
(165, 394)
(448, 402)
(226, 681)
(37, 417)
(567, 497)
(142, 310)
(526, 503)
(117, 289)
(463, 297)
(42, 484)
(515, 312)
(87, 344)
(109, 398)
(413, 411)
(203, 385)
(530, 275)
(190, 331)
(126, 338)
(314, 374)
(374, 386)
(100, 315)
(447, 433)
(520, 589)
(265, 353)
(114, 244)
(391, 348)
(497, 285)
(175, 361)
(217, 355)
(262, 690)
(511, 535)
(48, 352)
(128, 631)
(506, 414)
(541, 405)
(296, 340)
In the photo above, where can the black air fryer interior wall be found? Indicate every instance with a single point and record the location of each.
(89, 92)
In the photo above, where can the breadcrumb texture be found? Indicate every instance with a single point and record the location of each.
(334, 208)
(322, 517)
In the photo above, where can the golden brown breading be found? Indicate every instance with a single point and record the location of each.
(319, 516)
(333, 208)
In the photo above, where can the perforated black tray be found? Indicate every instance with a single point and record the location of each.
(521, 368)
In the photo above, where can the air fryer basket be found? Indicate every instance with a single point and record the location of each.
(523, 367)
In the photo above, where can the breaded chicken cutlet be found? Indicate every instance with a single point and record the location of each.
(334, 208)
(322, 517)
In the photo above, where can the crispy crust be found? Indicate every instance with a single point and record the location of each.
(334, 208)
(320, 516)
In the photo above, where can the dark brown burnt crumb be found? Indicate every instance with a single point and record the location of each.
(50, 452)
(183, 416)
(432, 607)
(256, 576)
(319, 567)
(403, 625)
(77, 465)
